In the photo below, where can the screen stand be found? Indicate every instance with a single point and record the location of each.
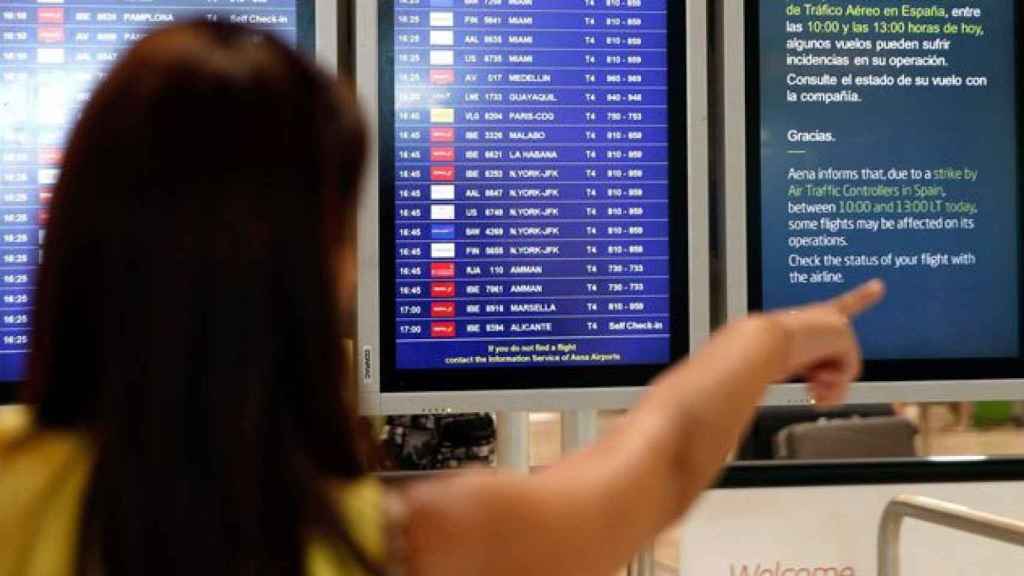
(579, 429)
(513, 443)
(642, 565)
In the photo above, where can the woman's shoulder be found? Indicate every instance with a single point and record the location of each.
(15, 422)
(373, 517)
(24, 445)
(42, 475)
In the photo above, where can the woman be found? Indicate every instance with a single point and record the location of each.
(188, 416)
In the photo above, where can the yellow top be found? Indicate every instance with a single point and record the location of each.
(42, 479)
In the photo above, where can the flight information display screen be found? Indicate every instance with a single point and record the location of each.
(52, 54)
(531, 187)
(886, 143)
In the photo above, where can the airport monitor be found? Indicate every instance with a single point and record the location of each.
(529, 217)
(882, 139)
(52, 54)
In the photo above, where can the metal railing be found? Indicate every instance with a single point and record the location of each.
(943, 514)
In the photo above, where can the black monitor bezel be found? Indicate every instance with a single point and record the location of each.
(879, 472)
(475, 380)
(910, 370)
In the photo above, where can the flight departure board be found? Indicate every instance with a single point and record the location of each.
(52, 54)
(532, 195)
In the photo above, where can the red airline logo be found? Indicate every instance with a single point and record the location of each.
(442, 310)
(51, 16)
(442, 134)
(442, 289)
(442, 77)
(442, 270)
(442, 329)
(442, 173)
(442, 154)
(51, 34)
(45, 196)
(50, 156)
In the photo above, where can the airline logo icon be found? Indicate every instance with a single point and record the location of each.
(50, 56)
(45, 196)
(51, 34)
(442, 3)
(50, 156)
(442, 134)
(442, 57)
(442, 270)
(445, 251)
(442, 76)
(47, 177)
(442, 289)
(442, 192)
(442, 329)
(442, 173)
(50, 15)
(442, 212)
(442, 309)
(442, 38)
(442, 115)
(442, 154)
(442, 19)
(439, 98)
(442, 232)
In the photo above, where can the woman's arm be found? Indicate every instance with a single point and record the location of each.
(590, 513)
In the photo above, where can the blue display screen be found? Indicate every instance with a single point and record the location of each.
(52, 54)
(889, 147)
(531, 184)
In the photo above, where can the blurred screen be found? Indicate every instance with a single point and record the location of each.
(52, 54)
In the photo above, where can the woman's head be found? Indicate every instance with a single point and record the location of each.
(187, 306)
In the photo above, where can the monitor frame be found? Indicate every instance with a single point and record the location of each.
(736, 54)
(325, 33)
(697, 259)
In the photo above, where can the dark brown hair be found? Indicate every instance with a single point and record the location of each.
(188, 315)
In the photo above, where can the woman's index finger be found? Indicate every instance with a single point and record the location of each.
(860, 299)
